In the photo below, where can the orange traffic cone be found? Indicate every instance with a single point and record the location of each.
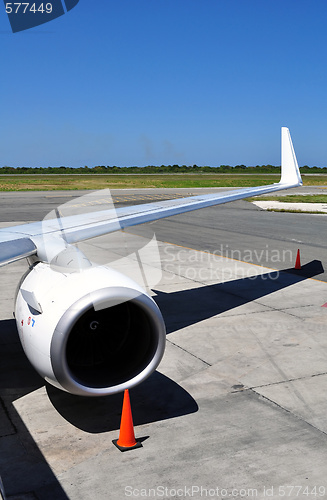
(298, 261)
(126, 440)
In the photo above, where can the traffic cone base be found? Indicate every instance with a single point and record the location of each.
(126, 448)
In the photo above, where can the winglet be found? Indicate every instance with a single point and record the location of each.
(290, 169)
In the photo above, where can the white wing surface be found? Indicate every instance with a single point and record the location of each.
(25, 240)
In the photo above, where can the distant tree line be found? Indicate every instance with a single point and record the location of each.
(151, 169)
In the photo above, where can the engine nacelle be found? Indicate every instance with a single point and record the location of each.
(92, 333)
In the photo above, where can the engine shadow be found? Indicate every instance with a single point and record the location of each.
(16, 372)
(187, 307)
(157, 398)
(23, 467)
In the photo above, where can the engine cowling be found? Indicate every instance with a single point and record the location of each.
(93, 333)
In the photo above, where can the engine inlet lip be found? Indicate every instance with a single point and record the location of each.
(100, 299)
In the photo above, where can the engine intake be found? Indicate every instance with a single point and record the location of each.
(109, 347)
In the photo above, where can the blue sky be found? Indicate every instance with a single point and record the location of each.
(152, 82)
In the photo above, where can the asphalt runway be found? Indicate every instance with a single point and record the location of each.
(237, 408)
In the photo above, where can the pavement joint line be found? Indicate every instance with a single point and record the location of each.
(285, 311)
(269, 309)
(188, 352)
(300, 306)
(278, 309)
(241, 313)
(295, 307)
(6, 412)
(289, 380)
(290, 412)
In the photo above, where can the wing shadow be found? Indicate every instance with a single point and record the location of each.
(187, 307)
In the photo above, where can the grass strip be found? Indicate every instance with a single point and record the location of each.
(94, 181)
(289, 210)
(293, 198)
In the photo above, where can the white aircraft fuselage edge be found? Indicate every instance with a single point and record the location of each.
(96, 332)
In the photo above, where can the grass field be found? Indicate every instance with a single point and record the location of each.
(294, 198)
(68, 182)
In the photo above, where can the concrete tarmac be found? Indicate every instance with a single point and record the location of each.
(236, 409)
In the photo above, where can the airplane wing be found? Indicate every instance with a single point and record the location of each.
(22, 241)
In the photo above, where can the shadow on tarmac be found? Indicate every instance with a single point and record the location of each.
(157, 398)
(23, 468)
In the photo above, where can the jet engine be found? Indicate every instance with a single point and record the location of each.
(93, 332)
